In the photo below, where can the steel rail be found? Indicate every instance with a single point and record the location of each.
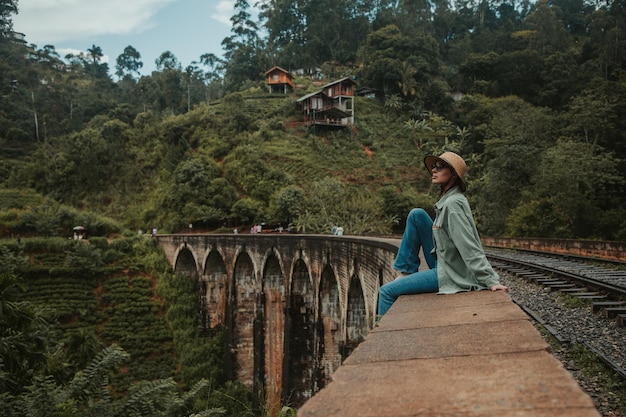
(587, 281)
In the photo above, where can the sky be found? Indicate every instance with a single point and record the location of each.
(187, 28)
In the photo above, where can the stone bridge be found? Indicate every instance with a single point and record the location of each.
(293, 306)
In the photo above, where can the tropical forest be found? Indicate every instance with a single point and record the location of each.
(94, 157)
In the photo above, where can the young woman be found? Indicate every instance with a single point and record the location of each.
(450, 244)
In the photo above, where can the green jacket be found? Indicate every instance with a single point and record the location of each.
(461, 261)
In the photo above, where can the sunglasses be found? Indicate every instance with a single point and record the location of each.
(439, 166)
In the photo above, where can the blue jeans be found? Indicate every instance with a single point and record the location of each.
(416, 283)
(418, 233)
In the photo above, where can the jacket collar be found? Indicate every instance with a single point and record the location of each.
(452, 191)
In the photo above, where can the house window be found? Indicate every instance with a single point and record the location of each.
(275, 77)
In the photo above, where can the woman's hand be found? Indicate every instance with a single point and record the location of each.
(499, 287)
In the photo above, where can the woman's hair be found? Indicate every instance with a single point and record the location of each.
(457, 181)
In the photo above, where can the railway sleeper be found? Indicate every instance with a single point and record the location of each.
(533, 277)
(590, 296)
(554, 283)
(561, 287)
(536, 277)
(546, 281)
(612, 312)
(574, 290)
(597, 306)
(518, 271)
(527, 273)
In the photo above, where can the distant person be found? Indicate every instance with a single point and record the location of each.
(339, 231)
(451, 245)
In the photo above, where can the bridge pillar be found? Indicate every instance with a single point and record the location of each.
(294, 306)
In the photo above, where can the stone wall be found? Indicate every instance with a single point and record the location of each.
(600, 249)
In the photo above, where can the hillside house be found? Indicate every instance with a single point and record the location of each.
(314, 73)
(332, 106)
(279, 81)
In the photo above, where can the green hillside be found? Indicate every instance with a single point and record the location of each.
(531, 93)
(104, 327)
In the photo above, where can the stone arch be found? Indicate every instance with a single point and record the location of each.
(243, 319)
(274, 296)
(320, 257)
(213, 296)
(186, 262)
(330, 337)
(300, 334)
(356, 314)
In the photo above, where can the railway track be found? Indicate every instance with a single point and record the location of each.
(604, 286)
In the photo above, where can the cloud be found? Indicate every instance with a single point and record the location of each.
(51, 21)
(224, 11)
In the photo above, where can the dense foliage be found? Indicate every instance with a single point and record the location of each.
(104, 328)
(537, 111)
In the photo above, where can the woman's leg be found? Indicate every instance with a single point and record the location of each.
(418, 233)
(416, 283)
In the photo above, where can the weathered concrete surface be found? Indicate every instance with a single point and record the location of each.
(468, 354)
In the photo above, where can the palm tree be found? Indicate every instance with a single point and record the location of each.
(95, 53)
(408, 83)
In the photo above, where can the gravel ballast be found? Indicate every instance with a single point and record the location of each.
(575, 322)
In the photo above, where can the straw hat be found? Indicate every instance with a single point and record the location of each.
(457, 164)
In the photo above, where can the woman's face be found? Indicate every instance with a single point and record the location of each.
(441, 173)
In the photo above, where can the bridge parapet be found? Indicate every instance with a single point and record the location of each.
(601, 249)
(293, 306)
(466, 354)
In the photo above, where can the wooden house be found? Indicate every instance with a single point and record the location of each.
(279, 81)
(332, 106)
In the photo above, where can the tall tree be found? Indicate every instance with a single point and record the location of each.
(607, 42)
(92, 62)
(514, 135)
(7, 9)
(128, 63)
(308, 33)
(415, 14)
(549, 33)
(170, 81)
(285, 23)
(243, 49)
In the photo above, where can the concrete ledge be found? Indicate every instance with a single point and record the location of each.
(467, 354)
